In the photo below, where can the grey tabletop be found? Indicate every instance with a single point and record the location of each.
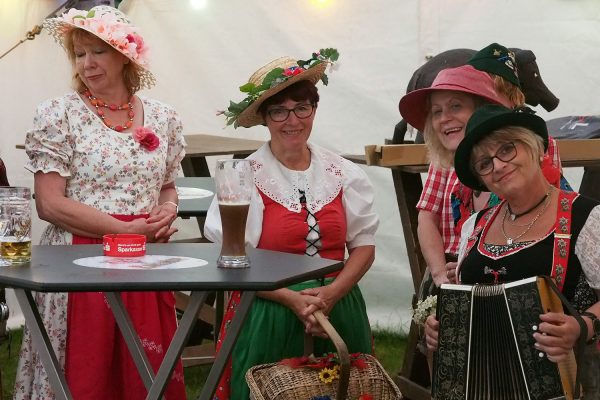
(195, 207)
(52, 270)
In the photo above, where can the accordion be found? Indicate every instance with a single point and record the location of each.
(486, 345)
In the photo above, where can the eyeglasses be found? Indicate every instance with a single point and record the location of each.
(301, 111)
(507, 152)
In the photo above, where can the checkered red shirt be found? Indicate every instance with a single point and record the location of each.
(437, 197)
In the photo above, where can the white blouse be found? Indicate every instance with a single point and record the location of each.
(327, 174)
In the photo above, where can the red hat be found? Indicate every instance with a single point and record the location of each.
(413, 105)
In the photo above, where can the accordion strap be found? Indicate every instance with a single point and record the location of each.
(581, 342)
(562, 237)
(342, 351)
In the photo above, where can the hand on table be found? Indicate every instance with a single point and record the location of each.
(164, 215)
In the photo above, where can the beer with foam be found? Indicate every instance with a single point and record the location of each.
(234, 182)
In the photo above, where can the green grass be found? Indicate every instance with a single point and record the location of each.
(389, 349)
(9, 354)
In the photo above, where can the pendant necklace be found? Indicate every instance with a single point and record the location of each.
(510, 240)
(514, 215)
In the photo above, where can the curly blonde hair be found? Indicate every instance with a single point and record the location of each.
(131, 71)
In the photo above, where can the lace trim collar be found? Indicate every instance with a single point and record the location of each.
(322, 181)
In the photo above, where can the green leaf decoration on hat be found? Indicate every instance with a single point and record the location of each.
(274, 78)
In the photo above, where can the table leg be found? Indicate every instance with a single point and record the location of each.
(186, 324)
(131, 338)
(228, 342)
(40, 339)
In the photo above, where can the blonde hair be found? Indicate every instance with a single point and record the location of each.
(439, 155)
(509, 90)
(131, 71)
(533, 142)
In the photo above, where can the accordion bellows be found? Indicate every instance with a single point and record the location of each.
(486, 345)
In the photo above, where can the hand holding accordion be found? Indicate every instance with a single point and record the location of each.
(486, 347)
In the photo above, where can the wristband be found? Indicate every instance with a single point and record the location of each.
(173, 203)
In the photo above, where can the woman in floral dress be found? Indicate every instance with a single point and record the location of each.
(104, 160)
(307, 200)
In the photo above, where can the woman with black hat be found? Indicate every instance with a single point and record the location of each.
(307, 200)
(522, 236)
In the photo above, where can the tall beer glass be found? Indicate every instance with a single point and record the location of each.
(234, 182)
(15, 225)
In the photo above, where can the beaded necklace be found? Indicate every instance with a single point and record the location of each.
(98, 103)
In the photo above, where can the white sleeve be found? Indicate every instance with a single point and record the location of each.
(212, 225)
(357, 197)
(587, 248)
(465, 232)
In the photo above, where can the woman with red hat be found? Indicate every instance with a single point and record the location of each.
(441, 112)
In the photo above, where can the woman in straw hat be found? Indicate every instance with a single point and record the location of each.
(441, 112)
(104, 160)
(503, 152)
(307, 200)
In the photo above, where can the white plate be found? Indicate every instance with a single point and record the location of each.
(189, 193)
(144, 262)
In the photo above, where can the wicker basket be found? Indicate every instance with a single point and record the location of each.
(281, 382)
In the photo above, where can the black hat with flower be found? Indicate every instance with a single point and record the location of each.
(272, 79)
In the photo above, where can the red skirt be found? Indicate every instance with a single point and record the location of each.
(98, 364)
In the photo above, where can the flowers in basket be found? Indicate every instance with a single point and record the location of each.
(329, 367)
(424, 309)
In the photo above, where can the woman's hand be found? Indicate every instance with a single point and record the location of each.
(558, 334)
(299, 303)
(164, 214)
(150, 229)
(432, 328)
(451, 272)
(327, 294)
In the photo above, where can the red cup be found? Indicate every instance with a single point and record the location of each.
(124, 245)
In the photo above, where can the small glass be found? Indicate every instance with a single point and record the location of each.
(234, 182)
(15, 225)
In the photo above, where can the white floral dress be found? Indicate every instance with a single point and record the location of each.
(105, 169)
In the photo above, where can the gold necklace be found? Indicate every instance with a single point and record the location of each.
(510, 240)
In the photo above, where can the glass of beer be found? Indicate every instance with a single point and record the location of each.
(15, 225)
(234, 182)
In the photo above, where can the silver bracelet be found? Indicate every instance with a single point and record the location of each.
(175, 204)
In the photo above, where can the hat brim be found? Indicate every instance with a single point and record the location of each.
(250, 117)
(462, 157)
(58, 28)
(414, 108)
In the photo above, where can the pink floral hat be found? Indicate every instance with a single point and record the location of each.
(466, 79)
(111, 26)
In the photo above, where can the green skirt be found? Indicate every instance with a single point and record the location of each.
(273, 332)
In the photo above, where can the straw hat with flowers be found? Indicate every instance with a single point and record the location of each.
(272, 79)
